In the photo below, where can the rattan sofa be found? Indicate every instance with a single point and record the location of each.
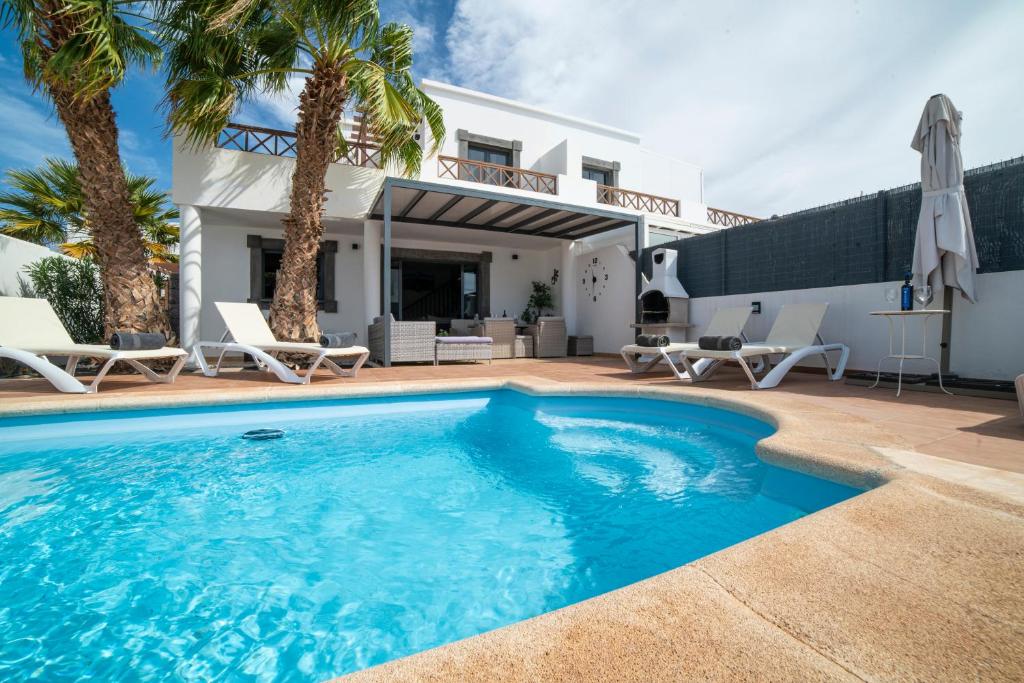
(550, 339)
(411, 341)
(458, 351)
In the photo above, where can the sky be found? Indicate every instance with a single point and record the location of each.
(786, 105)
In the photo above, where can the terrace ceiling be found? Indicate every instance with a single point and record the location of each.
(424, 203)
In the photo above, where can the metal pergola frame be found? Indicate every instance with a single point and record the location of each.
(552, 215)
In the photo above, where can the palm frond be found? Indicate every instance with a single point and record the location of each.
(83, 46)
(45, 205)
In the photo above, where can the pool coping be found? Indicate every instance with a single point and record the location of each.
(808, 438)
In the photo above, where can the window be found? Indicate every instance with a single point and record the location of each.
(602, 172)
(599, 175)
(272, 263)
(490, 155)
(265, 260)
(488, 174)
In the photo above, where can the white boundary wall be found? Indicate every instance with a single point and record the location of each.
(986, 338)
(15, 256)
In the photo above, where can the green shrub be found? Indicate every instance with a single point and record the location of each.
(541, 299)
(73, 288)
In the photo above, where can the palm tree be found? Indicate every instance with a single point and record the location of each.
(222, 52)
(75, 52)
(46, 205)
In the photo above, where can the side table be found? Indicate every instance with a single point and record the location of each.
(891, 316)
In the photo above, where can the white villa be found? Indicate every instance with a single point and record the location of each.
(515, 194)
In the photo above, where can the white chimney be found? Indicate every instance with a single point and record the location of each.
(663, 277)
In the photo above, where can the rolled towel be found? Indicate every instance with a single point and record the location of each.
(731, 344)
(720, 343)
(137, 341)
(652, 340)
(337, 340)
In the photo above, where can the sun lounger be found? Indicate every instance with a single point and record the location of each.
(794, 336)
(30, 331)
(250, 334)
(726, 322)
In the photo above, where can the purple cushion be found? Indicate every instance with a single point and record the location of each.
(464, 340)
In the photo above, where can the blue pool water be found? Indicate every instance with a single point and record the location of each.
(156, 545)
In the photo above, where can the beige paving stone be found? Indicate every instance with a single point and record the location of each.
(680, 627)
(877, 603)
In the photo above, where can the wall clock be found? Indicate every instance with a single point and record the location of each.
(595, 278)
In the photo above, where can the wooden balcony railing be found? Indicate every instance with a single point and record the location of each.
(728, 218)
(628, 199)
(496, 174)
(281, 143)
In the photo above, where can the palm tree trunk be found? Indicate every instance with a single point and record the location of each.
(130, 296)
(321, 104)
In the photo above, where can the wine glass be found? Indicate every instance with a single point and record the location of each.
(923, 295)
(890, 295)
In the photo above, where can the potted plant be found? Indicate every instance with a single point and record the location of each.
(541, 299)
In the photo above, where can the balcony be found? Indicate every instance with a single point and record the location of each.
(281, 143)
(728, 218)
(629, 199)
(496, 174)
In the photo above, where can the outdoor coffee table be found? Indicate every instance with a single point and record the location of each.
(891, 316)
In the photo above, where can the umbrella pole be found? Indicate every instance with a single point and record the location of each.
(947, 330)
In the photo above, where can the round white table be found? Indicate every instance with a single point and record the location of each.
(921, 314)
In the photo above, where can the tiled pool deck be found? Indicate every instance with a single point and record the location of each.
(920, 578)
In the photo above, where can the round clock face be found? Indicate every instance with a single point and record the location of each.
(594, 279)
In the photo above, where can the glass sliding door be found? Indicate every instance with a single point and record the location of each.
(396, 290)
(470, 293)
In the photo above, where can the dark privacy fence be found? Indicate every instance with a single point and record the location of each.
(867, 239)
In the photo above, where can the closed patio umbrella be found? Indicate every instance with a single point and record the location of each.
(944, 253)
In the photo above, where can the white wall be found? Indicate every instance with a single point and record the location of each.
(229, 179)
(226, 278)
(608, 318)
(226, 274)
(988, 336)
(551, 143)
(985, 339)
(15, 256)
(541, 132)
(664, 176)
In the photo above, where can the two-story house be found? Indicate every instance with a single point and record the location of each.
(514, 194)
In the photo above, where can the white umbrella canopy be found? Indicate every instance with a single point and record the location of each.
(944, 253)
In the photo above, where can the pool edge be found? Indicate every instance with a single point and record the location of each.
(817, 441)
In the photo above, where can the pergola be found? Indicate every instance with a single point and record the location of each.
(420, 202)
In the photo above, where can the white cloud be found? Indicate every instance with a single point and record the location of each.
(786, 105)
(31, 131)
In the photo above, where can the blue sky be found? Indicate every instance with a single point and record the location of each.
(785, 105)
(29, 131)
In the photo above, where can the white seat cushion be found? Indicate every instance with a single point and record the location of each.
(102, 351)
(311, 348)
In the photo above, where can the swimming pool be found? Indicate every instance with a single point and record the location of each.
(160, 544)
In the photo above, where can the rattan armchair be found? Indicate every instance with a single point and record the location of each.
(550, 339)
(411, 341)
(503, 333)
